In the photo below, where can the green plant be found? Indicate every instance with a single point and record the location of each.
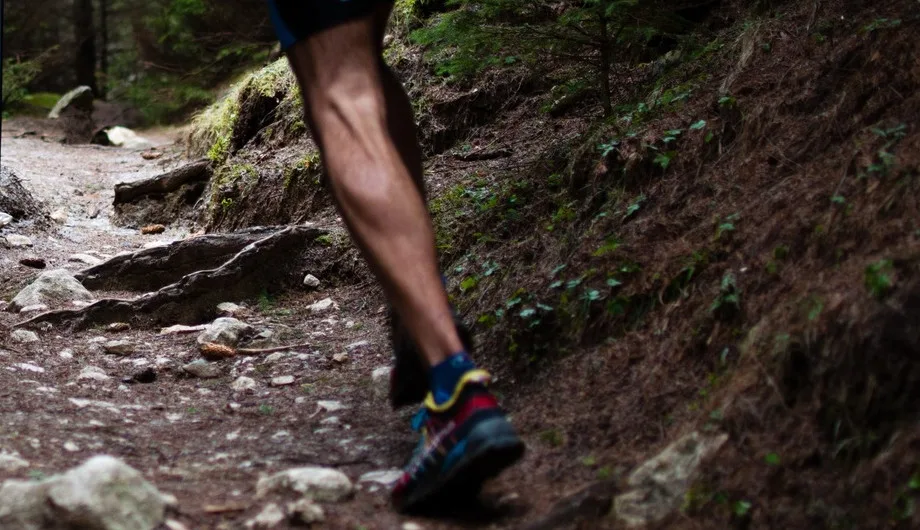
(878, 278)
(552, 437)
(663, 159)
(266, 410)
(742, 508)
(727, 225)
(635, 206)
(17, 74)
(772, 459)
(324, 240)
(728, 302)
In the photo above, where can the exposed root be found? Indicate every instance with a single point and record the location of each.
(266, 264)
(216, 352)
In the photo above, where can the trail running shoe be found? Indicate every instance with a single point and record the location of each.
(409, 378)
(465, 442)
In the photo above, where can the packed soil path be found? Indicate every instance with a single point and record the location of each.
(199, 439)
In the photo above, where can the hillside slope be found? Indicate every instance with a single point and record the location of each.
(736, 251)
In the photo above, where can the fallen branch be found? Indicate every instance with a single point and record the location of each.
(215, 352)
(161, 185)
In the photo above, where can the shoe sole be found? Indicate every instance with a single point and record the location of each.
(492, 447)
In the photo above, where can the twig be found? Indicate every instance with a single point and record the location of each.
(257, 351)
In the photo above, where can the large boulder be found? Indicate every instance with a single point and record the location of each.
(102, 494)
(80, 98)
(54, 287)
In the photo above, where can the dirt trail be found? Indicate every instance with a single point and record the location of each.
(195, 438)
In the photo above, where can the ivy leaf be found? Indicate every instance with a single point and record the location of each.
(527, 313)
(613, 282)
(698, 125)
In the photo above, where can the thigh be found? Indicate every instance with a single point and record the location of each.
(295, 20)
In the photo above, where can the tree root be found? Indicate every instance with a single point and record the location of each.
(267, 264)
(150, 269)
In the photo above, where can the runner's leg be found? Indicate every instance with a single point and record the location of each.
(342, 79)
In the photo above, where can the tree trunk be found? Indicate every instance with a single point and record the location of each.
(85, 58)
(104, 46)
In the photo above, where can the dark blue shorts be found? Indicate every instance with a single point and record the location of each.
(295, 20)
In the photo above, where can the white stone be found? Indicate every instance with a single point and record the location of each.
(283, 380)
(356, 346)
(119, 347)
(124, 137)
(23, 336)
(11, 462)
(81, 92)
(311, 281)
(172, 524)
(30, 368)
(229, 309)
(270, 517)
(323, 306)
(85, 258)
(93, 373)
(17, 241)
(331, 406)
(331, 420)
(411, 526)
(380, 380)
(5, 219)
(102, 494)
(658, 487)
(225, 330)
(273, 358)
(340, 358)
(179, 328)
(50, 288)
(304, 511)
(59, 215)
(243, 383)
(317, 483)
(66, 354)
(71, 447)
(203, 369)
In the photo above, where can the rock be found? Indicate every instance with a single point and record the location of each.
(380, 380)
(311, 281)
(71, 447)
(81, 96)
(59, 216)
(323, 306)
(229, 309)
(331, 406)
(37, 308)
(23, 336)
(179, 328)
(226, 331)
(305, 512)
(11, 462)
(51, 288)
(34, 263)
(93, 373)
(5, 219)
(153, 229)
(243, 384)
(121, 137)
(152, 155)
(15, 199)
(85, 259)
(172, 524)
(102, 494)
(658, 487)
(360, 346)
(203, 369)
(340, 357)
(117, 327)
(316, 483)
(28, 367)
(283, 380)
(385, 478)
(273, 358)
(270, 517)
(66, 354)
(119, 347)
(17, 241)
(411, 526)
